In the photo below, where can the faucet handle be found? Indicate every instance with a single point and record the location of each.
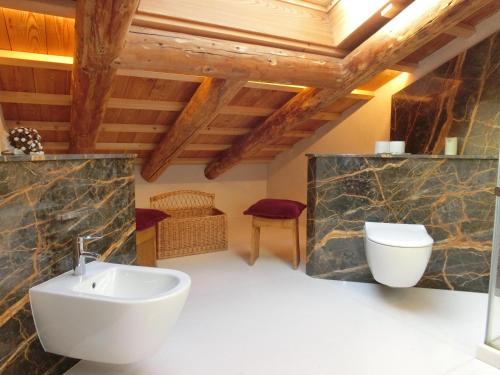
(82, 239)
(90, 237)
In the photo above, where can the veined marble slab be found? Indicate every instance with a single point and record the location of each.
(453, 197)
(461, 98)
(36, 246)
(404, 156)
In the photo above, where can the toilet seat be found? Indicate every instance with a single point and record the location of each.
(398, 235)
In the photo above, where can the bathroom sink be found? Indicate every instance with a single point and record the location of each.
(127, 283)
(113, 314)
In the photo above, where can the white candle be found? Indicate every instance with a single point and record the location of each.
(450, 146)
(397, 147)
(382, 147)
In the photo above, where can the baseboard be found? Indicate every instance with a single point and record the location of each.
(488, 355)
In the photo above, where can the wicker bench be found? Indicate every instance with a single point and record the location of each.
(195, 226)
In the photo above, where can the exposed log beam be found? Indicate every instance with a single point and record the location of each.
(39, 60)
(100, 30)
(194, 55)
(207, 102)
(418, 24)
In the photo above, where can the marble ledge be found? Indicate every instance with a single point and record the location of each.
(405, 156)
(52, 157)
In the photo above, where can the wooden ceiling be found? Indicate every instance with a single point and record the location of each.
(156, 89)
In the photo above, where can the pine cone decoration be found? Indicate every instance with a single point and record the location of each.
(26, 139)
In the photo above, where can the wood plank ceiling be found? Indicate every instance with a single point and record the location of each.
(147, 98)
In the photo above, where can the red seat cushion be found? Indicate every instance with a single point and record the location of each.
(146, 218)
(276, 209)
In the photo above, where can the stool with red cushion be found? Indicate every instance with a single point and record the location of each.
(281, 213)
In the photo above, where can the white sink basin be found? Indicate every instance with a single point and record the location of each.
(113, 314)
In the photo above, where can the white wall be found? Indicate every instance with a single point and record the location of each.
(234, 191)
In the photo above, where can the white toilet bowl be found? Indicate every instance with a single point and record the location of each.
(397, 254)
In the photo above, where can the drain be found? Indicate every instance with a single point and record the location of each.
(93, 285)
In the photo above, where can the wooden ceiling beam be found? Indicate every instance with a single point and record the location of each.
(188, 161)
(361, 95)
(207, 102)
(62, 126)
(200, 56)
(404, 66)
(145, 104)
(131, 147)
(60, 8)
(22, 97)
(35, 60)
(461, 30)
(100, 30)
(418, 24)
(43, 61)
(207, 160)
(40, 125)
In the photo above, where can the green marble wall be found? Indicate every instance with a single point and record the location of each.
(460, 99)
(453, 197)
(35, 246)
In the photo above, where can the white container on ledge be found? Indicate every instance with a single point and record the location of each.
(382, 147)
(450, 146)
(397, 147)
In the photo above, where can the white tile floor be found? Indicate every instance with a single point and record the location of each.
(271, 320)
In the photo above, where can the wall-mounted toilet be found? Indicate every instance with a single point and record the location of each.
(397, 254)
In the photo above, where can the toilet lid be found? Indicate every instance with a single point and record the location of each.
(400, 235)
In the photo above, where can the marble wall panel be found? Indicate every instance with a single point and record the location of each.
(460, 99)
(36, 246)
(452, 197)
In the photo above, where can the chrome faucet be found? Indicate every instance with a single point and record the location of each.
(80, 254)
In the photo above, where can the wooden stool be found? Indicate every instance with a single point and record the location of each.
(259, 222)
